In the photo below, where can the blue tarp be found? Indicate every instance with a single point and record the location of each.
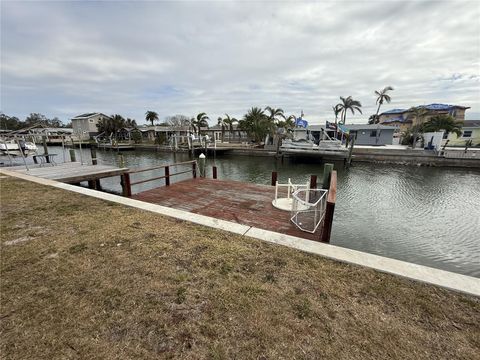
(301, 123)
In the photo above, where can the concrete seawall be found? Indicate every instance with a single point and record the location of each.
(373, 155)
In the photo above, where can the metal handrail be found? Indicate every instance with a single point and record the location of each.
(307, 203)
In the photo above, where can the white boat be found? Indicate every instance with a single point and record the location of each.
(16, 148)
(307, 143)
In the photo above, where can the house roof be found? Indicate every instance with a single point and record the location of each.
(432, 107)
(369, 127)
(87, 115)
(396, 119)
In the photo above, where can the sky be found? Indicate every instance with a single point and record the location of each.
(64, 58)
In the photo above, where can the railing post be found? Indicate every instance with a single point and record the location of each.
(126, 186)
(194, 170)
(167, 176)
(214, 172)
(274, 178)
(313, 181)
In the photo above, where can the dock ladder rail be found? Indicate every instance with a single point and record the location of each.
(308, 208)
(285, 203)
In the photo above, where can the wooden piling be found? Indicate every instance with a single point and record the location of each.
(93, 154)
(313, 181)
(214, 170)
(330, 209)
(126, 186)
(72, 155)
(194, 170)
(350, 151)
(45, 148)
(167, 176)
(327, 170)
(274, 178)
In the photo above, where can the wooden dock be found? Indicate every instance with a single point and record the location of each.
(243, 203)
(71, 172)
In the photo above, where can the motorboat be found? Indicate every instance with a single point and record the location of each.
(308, 142)
(17, 148)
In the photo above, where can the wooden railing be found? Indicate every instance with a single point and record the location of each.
(127, 183)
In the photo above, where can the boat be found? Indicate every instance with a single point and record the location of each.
(305, 141)
(17, 148)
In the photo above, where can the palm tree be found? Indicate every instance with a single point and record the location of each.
(348, 104)
(130, 123)
(418, 113)
(229, 122)
(257, 124)
(151, 116)
(275, 114)
(288, 123)
(200, 121)
(443, 122)
(221, 122)
(381, 97)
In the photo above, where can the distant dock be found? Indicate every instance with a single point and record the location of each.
(71, 172)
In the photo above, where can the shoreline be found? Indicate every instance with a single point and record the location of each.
(380, 155)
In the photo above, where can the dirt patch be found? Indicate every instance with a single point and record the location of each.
(178, 290)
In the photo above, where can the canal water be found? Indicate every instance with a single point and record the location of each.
(424, 215)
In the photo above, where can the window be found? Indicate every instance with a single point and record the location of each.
(467, 133)
(373, 133)
(91, 120)
(445, 135)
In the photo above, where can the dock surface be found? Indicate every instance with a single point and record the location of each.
(243, 203)
(71, 172)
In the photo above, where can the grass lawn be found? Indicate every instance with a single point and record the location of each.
(84, 278)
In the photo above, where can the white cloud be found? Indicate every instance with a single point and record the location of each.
(64, 58)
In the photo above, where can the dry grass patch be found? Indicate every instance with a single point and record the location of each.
(100, 280)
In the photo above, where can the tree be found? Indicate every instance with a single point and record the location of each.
(131, 123)
(229, 121)
(288, 123)
(221, 122)
(257, 124)
(200, 121)
(177, 120)
(443, 122)
(274, 114)
(348, 103)
(10, 122)
(111, 125)
(418, 113)
(151, 116)
(382, 96)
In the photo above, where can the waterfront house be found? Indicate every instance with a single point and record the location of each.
(85, 125)
(404, 118)
(374, 134)
(470, 131)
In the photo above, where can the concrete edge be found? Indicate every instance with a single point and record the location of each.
(453, 281)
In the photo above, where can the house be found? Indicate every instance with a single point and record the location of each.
(470, 131)
(404, 118)
(85, 125)
(374, 134)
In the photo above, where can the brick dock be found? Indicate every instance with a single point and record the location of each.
(243, 203)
